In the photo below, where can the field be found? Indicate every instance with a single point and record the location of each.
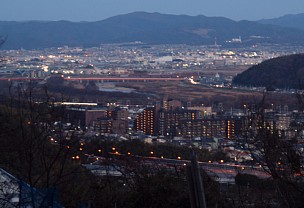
(200, 94)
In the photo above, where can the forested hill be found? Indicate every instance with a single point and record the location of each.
(149, 28)
(282, 72)
(290, 21)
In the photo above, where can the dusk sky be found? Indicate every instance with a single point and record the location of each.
(93, 10)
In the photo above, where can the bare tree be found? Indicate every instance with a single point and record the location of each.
(34, 137)
(277, 155)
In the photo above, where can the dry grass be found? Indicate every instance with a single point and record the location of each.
(200, 94)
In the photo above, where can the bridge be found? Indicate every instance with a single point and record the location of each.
(99, 79)
(124, 79)
(20, 79)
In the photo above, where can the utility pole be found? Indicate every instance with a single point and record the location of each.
(197, 194)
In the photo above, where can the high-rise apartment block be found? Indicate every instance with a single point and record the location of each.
(146, 122)
(180, 122)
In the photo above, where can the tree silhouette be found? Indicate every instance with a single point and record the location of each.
(35, 148)
(277, 155)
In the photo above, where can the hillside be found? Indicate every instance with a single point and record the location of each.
(283, 72)
(150, 28)
(290, 21)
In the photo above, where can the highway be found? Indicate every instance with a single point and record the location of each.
(221, 172)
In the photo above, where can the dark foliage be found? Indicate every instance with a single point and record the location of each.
(278, 156)
(283, 72)
(28, 153)
(143, 185)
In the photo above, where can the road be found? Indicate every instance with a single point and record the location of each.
(222, 172)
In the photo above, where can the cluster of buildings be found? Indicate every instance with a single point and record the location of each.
(237, 123)
(102, 120)
(170, 120)
(125, 59)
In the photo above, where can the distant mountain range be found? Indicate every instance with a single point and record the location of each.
(282, 72)
(290, 21)
(150, 28)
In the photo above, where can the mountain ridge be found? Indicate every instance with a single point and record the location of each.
(150, 28)
(290, 21)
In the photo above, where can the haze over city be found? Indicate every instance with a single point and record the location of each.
(94, 10)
